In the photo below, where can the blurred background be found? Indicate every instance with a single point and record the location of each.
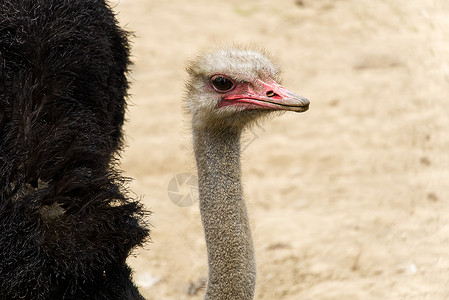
(349, 200)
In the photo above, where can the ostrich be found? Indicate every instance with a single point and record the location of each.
(227, 90)
(67, 224)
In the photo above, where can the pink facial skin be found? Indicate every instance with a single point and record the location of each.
(265, 95)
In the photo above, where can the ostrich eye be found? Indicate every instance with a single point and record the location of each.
(221, 83)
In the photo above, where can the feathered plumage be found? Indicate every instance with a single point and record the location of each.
(67, 224)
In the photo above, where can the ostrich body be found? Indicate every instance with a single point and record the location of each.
(67, 225)
(227, 91)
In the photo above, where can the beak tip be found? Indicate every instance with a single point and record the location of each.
(304, 104)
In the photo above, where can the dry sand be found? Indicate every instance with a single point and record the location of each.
(349, 200)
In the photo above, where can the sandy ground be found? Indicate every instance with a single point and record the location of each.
(349, 200)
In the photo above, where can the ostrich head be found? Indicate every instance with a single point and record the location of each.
(229, 88)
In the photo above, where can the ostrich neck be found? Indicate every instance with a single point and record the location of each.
(232, 268)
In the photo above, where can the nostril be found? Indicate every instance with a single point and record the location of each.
(271, 94)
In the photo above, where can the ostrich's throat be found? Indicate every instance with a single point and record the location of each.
(232, 271)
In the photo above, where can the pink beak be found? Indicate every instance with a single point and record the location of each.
(266, 95)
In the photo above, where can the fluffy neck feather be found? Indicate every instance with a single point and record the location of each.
(232, 267)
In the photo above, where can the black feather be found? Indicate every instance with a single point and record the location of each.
(67, 224)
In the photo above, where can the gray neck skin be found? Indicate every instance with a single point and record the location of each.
(232, 266)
